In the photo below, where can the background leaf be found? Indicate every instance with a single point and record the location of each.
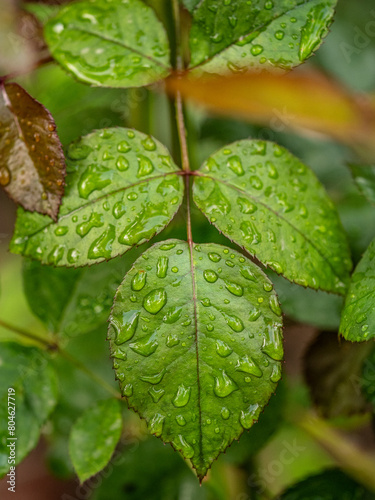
(329, 485)
(364, 178)
(28, 372)
(72, 301)
(235, 36)
(94, 437)
(215, 310)
(267, 201)
(33, 166)
(122, 189)
(110, 43)
(358, 316)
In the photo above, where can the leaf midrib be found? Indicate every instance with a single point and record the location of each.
(257, 200)
(254, 29)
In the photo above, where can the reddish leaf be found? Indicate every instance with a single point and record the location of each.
(32, 166)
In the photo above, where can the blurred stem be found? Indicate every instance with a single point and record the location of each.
(357, 463)
(53, 346)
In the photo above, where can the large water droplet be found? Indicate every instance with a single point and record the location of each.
(145, 166)
(126, 326)
(210, 276)
(94, 178)
(248, 416)
(234, 288)
(184, 447)
(172, 340)
(248, 365)
(215, 257)
(276, 373)
(223, 349)
(128, 390)
(182, 396)
(224, 385)
(274, 305)
(139, 280)
(123, 147)
(155, 300)
(272, 343)
(235, 164)
(233, 321)
(172, 315)
(246, 206)
(225, 413)
(250, 233)
(146, 345)
(180, 420)
(149, 144)
(153, 379)
(162, 267)
(102, 246)
(156, 394)
(254, 314)
(95, 220)
(155, 425)
(316, 26)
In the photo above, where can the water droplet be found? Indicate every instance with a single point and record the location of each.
(146, 345)
(235, 164)
(122, 164)
(275, 306)
(153, 379)
(276, 373)
(156, 394)
(4, 176)
(128, 390)
(180, 420)
(233, 321)
(206, 302)
(139, 280)
(234, 288)
(276, 266)
(155, 425)
(254, 314)
(155, 300)
(268, 5)
(215, 257)
(56, 254)
(61, 230)
(268, 287)
(248, 365)
(184, 447)
(149, 144)
(172, 340)
(279, 35)
(126, 326)
(361, 318)
(256, 50)
(250, 233)
(223, 349)
(174, 269)
(255, 182)
(217, 202)
(210, 276)
(172, 315)
(102, 246)
(123, 147)
(145, 166)
(118, 210)
(248, 416)
(225, 413)
(224, 385)
(94, 178)
(272, 343)
(95, 220)
(182, 396)
(72, 256)
(246, 206)
(162, 267)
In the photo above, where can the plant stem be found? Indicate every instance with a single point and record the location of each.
(55, 347)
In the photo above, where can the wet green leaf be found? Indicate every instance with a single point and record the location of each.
(329, 485)
(235, 36)
(28, 372)
(122, 189)
(72, 302)
(358, 317)
(110, 43)
(94, 437)
(267, 201)
(364, 178)
(197, 345)
(32, 166)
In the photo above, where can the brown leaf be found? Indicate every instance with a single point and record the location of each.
(32, 165)
(305, 100)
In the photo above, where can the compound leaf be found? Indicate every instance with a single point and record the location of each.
(72, 302)
(94, 436)
(265, 200)
(26, 371)
(196, 337)
(110, 43)
(235, 36)
(122, 189)
(358, 316)
(364, 178)
(32, 167)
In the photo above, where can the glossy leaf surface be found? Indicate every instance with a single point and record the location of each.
(110, 43)
(358, 317)
(94, 437)
(32, 166)
(265, 200)
(122, 189)
(364, 178)
(235, 35)
(27, 371)
(72, 302)
(197, 345)
(329, 485)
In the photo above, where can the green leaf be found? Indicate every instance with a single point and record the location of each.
(72, 301)
(94, 437)
(329, 485)
(265, 200)
(197, 345)
(28, 372)
(364, 178)
(32, 167)
(122, 189)
(358, 316)
(235, 36)
(331, 366)
(110, 43)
